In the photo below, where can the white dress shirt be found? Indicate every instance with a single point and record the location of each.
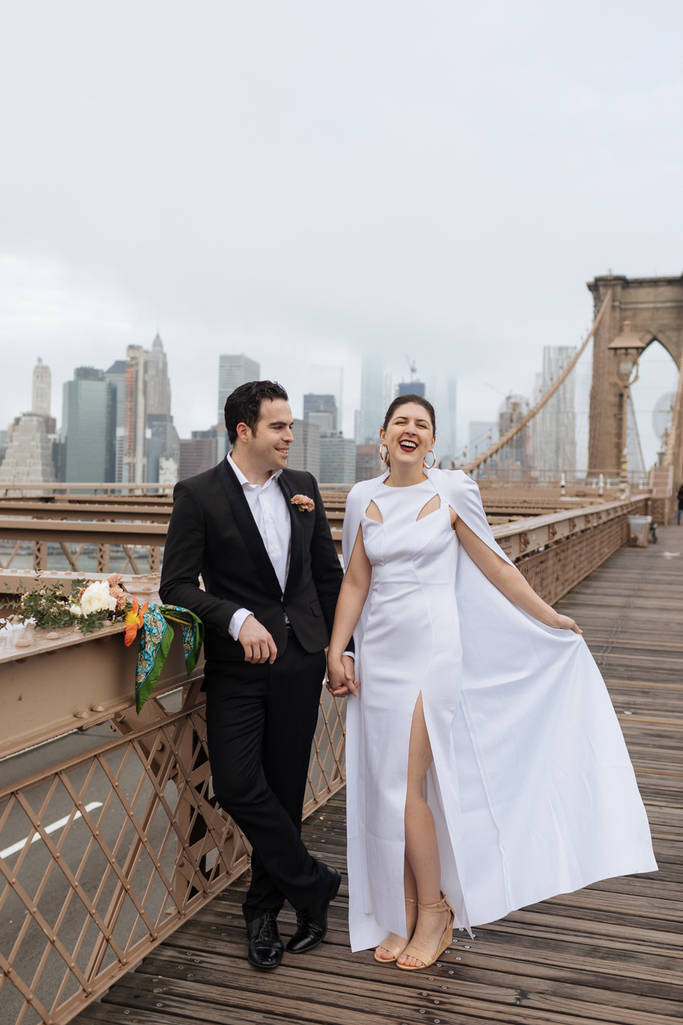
(272, 517)
(270, 511)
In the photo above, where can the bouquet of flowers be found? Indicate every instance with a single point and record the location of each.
(88, 606)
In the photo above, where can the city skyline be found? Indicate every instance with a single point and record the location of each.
(331, 180)
(655, 368)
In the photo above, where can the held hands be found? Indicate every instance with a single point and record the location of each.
(341, 674)
(258, 644)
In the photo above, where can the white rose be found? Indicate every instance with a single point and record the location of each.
(96, 598)
(75, 610)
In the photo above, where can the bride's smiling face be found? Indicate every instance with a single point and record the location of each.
(409, 435)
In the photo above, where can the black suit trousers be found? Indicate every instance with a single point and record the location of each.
(260, 724)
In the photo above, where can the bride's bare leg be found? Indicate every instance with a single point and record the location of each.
(409, 882)
(422, 849)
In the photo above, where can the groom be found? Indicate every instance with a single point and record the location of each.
(271, 577)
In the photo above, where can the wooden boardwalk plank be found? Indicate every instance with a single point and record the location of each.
(611, 954)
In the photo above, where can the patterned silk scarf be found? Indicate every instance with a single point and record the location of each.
(155, 643)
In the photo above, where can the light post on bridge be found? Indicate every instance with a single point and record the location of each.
(627, 348)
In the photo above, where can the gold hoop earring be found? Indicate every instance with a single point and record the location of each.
(385, 457)
(433, 462)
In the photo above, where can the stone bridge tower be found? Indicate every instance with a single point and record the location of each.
(654, 309)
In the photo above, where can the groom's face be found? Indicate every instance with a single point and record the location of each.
(270, 440)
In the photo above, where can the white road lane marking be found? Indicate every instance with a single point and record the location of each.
(52, 828)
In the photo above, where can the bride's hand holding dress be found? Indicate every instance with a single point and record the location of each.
(508, 579)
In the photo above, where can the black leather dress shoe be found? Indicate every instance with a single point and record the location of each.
(312, 920)
(265, 945)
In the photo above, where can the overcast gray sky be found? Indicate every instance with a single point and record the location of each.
(306, 180)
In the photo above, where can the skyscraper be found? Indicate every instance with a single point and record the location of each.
(414, 387)
(116, 375)
(158, 387)
(374, 399)
(329, 380)
(481, 434)
(337, 460)
(554, 426)
(442, 392)
(40, 402)
(518, 453)
(29, 453)
(135, 417)
(233, 371)
(322, 410)
(304, 452)
(196, 455)
(368, 462)
(88, 427)
(148, 431)
(162, 448)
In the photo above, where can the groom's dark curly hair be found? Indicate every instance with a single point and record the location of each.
(243, 405)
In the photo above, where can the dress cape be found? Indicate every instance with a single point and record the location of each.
(547, 797)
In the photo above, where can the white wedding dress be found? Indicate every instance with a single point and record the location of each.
(531, 786)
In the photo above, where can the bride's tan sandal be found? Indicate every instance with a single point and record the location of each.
(445, 941)
(395, 949)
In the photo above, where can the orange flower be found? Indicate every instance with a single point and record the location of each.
(133, 620)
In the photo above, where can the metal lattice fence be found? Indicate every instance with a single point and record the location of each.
(116, 847)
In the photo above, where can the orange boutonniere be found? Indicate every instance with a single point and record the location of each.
(304, 503)
(133, 620)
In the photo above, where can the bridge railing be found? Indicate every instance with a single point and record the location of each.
(82, 546)
(555, 552)
(105, 850)
(591, 482)
(74, 492)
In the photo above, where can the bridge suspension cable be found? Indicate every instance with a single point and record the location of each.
(673, 441)
(474, 464)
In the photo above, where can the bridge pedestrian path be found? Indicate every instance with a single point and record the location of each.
(612, 953)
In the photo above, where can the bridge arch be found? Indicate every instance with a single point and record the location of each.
(654, 309)
(657, 379)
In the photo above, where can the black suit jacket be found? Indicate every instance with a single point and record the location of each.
(213, 533)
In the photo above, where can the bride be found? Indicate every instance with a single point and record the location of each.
(486, 769)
